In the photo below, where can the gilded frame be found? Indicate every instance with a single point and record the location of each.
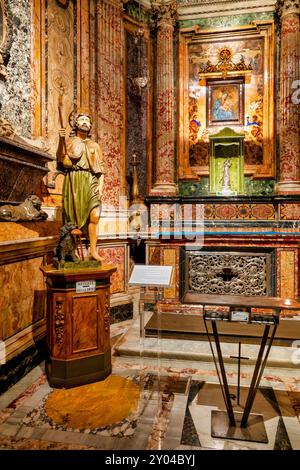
(187, 36)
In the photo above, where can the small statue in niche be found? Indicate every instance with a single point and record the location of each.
(30, 209)
(226, 176)
(66, 248)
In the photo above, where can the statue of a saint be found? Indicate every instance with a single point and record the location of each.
(82, 161)
(226, 176)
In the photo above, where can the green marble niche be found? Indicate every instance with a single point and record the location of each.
(226, 147)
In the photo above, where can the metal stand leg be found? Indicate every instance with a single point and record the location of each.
(239, 375)
(223, 382)
(258, 372)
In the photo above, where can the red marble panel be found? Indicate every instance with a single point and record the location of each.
(108, 95)
(289, 211)
(289, 108)
(263, 212)
(117, 257)
(225, 211)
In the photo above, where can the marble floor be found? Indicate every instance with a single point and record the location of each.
(177, 394)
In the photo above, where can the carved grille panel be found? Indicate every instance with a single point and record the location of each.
(229, 273)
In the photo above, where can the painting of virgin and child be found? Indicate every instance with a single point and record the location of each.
(225, 101)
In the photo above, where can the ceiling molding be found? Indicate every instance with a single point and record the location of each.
(193, 9)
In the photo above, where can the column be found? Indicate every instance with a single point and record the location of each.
(289, 131)
(106, 93)
(165, 15)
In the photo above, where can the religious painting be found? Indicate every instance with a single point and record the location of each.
(218, 90)
(225, 102)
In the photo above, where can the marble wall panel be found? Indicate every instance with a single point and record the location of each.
(15, 91)
(289, 211)
(15, 231)
(116, 255)
(108, 99)
(22, 296)
(170, 260)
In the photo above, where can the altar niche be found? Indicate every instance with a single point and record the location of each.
(226, 174)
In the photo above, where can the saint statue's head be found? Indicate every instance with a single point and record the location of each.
(83, 122)
(80, 121)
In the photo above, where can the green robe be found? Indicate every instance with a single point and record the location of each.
(84, 177)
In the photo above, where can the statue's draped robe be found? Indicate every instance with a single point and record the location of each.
(88, 166)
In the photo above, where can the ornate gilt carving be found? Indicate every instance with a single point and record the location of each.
(59, 321)
(164, 12)
(228, 274)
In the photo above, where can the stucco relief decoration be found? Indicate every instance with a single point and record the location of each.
(208, 58)
(61, 72)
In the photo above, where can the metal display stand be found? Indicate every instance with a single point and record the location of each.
(230, 424)
(236, 425)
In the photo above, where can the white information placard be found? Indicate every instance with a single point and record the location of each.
(86, 286)
(151, 275)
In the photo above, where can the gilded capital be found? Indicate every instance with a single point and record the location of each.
(164, 12)
(286, 7)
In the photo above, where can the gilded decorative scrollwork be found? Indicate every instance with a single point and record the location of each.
(59, 320)
(228, 274)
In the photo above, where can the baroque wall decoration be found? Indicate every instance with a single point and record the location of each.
(252, 55)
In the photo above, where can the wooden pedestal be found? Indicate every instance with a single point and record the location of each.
(78, 325)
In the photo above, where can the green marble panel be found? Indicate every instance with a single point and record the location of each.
(259, 187)
(226, 21)
(252, 187)
(197, 188)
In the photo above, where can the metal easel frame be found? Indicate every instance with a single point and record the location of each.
(235, 425)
